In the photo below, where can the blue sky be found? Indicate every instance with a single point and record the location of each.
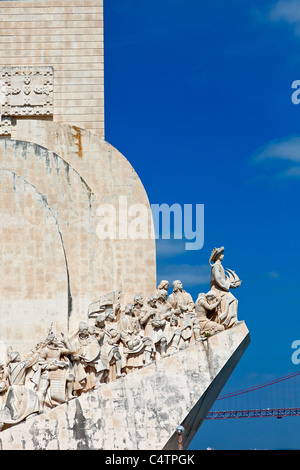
(198, 99)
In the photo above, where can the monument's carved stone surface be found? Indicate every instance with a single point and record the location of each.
(93, 266)
(142, 409)
(26, 91)
(34, 281)
(161, 343)
(93, 354)
(124, 263)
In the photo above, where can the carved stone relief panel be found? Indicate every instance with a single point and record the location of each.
(25, 91)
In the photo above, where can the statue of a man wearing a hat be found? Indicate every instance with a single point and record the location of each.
(221, 283)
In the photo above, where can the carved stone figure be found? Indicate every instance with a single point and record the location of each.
(4, 383)
(117, 310)
(56, 370)
(89, 369)
(221, 283)
(154, 324)
(164, 307)
(138, 309)
(207, 315)
(134, 343)
(20, 400)
(111, 300)
(163, 285)
(147, 315)
(181, 301)
(56, 377)
(173, 334)
(108, 336)
(190, 330)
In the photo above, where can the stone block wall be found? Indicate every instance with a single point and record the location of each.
(67, 35)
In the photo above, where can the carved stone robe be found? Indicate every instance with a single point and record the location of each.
(185, 299)
(181, 298)
(229, 304)
(134, 354)
(206, 315)
(20, 400)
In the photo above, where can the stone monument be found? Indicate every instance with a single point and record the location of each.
(93, 354)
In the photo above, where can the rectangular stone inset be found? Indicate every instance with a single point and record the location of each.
(25, 91)
(28, 90)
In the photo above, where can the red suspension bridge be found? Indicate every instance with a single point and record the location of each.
(277, 398)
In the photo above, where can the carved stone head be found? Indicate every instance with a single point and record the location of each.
(217, 253)
(100, 321)
(83, 329)
(174, 320)
(138, 300)
(152, 300)
(162, 295)
(110, 314)
(163, 285)
(211, 295)
(177, 286)
(129, 309)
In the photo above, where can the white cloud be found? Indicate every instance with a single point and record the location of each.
(286, 149)
(293, 172)
(190, 276)
(169, 248)
(272, 274)
(287, 11)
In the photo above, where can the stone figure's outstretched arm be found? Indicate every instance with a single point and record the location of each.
(69, 349)
(208, 306)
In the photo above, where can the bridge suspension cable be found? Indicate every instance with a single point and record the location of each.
(277, 393)
(257, 387)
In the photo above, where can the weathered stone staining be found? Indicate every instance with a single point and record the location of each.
(111, 344)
